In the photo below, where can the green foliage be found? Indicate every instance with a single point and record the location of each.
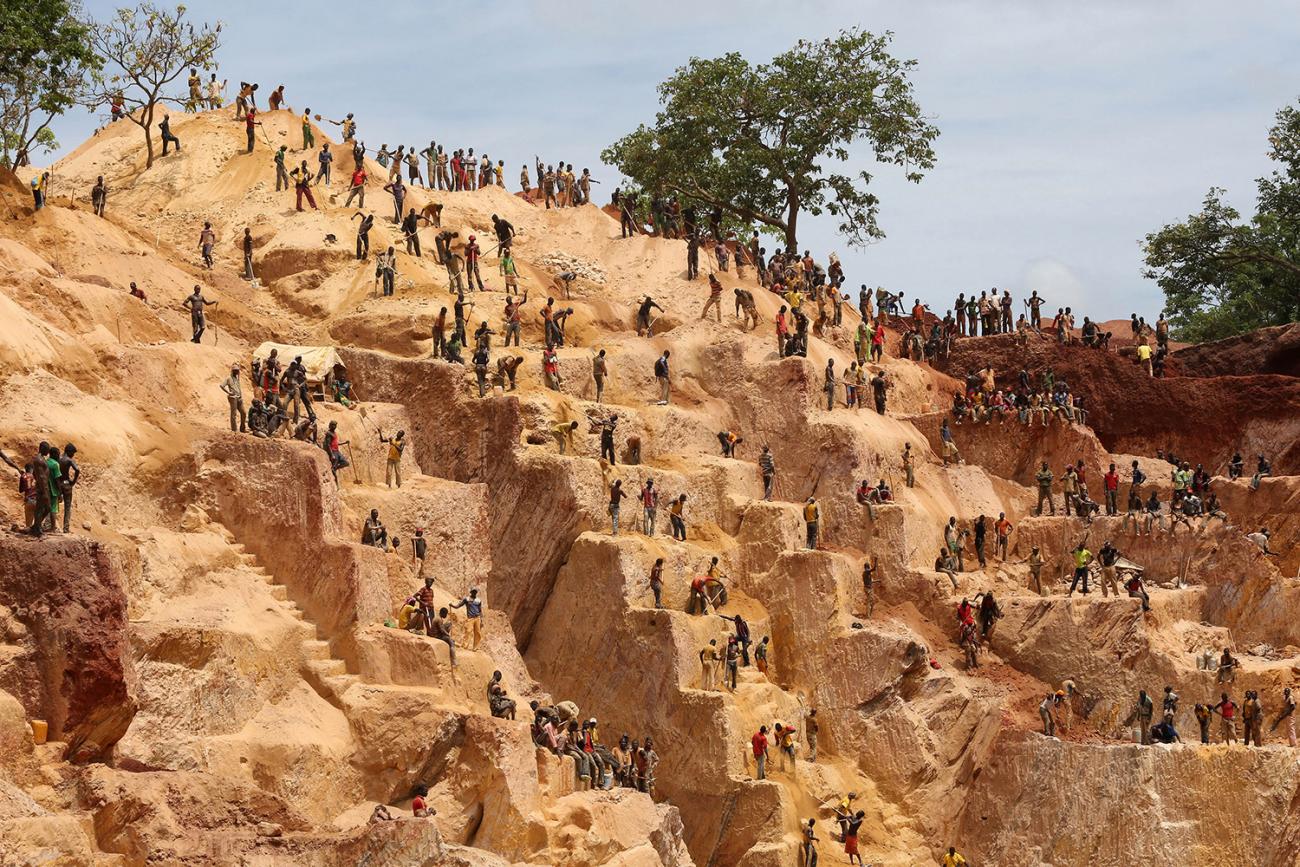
(753, 139)
(1222, 275)
(144, 50)
(45, 61)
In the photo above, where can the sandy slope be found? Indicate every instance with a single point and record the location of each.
(253, 670)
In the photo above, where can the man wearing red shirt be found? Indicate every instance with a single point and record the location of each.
(357, 188)
(472, 253)
(1111, 480)
(878, 342)
(1228, 710)
(759, 742)
(250, 121)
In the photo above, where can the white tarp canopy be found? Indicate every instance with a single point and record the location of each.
(319, 360)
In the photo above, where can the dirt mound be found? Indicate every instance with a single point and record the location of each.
(1264, 351)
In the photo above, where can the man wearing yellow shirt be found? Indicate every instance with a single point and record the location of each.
(1144, 358)
(1082, 557)
(308, 137)
(794, 299)
(952, 859)
(811, 513)
(393, 468)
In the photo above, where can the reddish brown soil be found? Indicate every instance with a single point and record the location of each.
(1199, 418)
(1268, 350)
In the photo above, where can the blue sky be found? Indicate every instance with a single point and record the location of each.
(1068, 130)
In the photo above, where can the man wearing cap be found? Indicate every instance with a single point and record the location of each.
(811, 514)
(235, 396)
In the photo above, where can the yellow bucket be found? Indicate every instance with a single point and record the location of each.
(40, 728)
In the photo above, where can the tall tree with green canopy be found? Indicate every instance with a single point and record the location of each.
(45, 61)
(144, 50)
(1223, 275)
(753, 140)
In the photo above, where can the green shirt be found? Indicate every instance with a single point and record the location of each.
(55, 475)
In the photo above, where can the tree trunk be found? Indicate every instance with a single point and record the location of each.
(792, 222)
(147, 117)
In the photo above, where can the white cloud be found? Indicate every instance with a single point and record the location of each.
(1057, 283)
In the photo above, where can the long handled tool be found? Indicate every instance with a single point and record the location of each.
(356, 480)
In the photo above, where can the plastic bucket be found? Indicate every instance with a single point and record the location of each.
(40, 729)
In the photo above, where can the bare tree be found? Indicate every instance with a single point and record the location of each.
(144, 50)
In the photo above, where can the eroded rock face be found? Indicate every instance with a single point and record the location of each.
(74, 667)
(1251, 413)
(1177, 793)
(1266, 350)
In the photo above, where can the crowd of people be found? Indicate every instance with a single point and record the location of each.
(811, 301)
(46, 483)
(1057, 713)
(630, 763)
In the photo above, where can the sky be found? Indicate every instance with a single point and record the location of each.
(1068, 131)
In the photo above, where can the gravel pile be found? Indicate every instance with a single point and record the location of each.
(560, 262)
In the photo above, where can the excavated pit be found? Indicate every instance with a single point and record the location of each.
(209, 648)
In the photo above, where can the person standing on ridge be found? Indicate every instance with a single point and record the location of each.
(196, 303)
(1082, 558)
(759, 745)
(662, 375)
(393, 464)
(811, 516)
(207, 240)
(473, 606)
(99, 196)
(302, 186)
(234, 394)
(767, 466)
(386, 269)
(247, 245)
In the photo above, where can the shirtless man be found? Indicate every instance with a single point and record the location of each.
(709, 659)
(745, 305)
(207, 240)
(599, 370)
(195, 304)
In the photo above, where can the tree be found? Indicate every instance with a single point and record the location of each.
(44, 63)
(1222, 275)
(751, 140)
(144, 50)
